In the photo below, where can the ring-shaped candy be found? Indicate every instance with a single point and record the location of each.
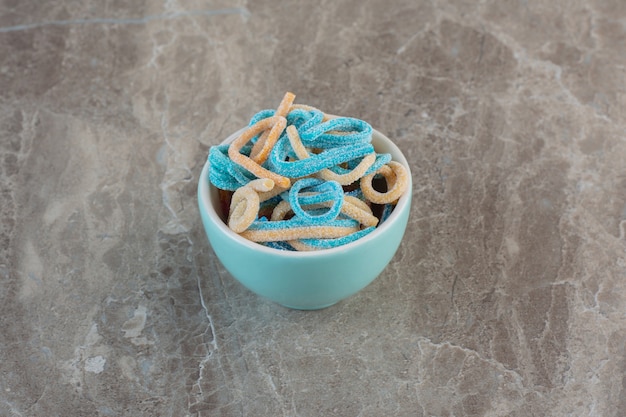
(381, 159)
(280, 245)
(244, 208)
(280, 211)
(245, 204)
(312, 197)
(397, 182)
(313, 118)
(387, 209)
(329, 189)
(261, 185)
(263, 114)
(352, 207)
(319, 193)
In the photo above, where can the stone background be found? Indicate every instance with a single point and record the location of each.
(506, 298)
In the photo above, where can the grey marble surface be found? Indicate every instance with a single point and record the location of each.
(506, 298)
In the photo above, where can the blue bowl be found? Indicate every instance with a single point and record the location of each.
(305, 280)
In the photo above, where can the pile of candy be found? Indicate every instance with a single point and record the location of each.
(297, 179)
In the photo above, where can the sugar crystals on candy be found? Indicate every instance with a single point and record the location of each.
(299, 166)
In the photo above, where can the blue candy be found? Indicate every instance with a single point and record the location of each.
(316, 162)
(342, 144)
(304, 120)
(224, 173)
(387, 209)
(263, 114)
(381, 159)
(317, 136)
(299, 222)
(280, 245)
(327, 191)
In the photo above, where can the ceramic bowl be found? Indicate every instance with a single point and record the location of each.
(305, 280)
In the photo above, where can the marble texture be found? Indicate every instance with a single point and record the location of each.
(506, 298)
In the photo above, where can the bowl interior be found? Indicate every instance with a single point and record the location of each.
(209, 196)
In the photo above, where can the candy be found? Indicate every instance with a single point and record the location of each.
(351, 207)
(323, 192)
(244, 207)
(310, 173)
(276, 124)
(262, 147)
(286, 230)
(245, 203)
(346, 178)
(317, 244)
(397, 181)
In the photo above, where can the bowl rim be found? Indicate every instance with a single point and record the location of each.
(204, 196)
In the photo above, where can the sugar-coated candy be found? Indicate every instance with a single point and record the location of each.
(329, 191)
(345, 178)
(328, 243)
(292, 229)
(299, 179)
(397, 181)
